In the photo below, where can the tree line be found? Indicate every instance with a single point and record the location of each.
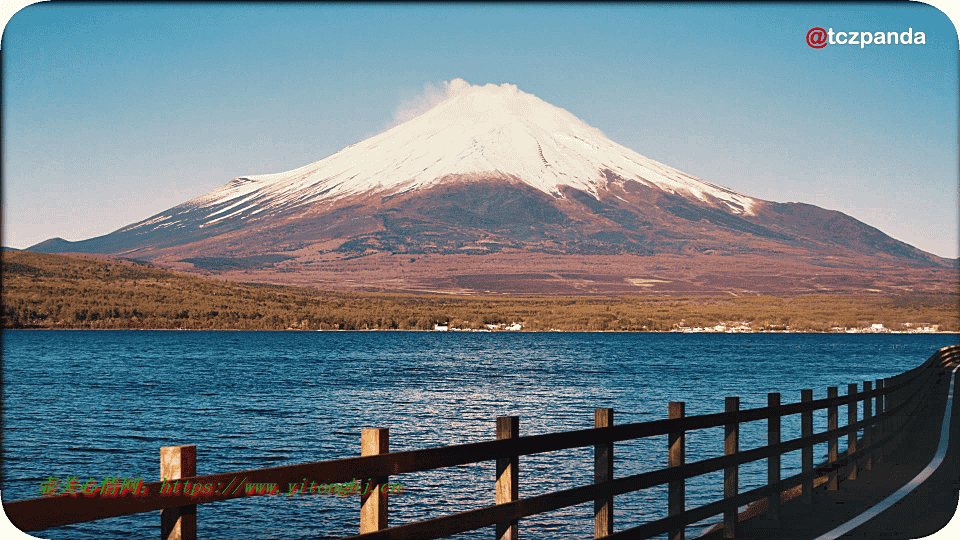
(56, 291)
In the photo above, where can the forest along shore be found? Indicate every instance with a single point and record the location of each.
(84, 292)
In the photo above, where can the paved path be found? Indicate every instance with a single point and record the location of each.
(920, 513)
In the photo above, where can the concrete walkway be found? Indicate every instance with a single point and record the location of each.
(920, 513)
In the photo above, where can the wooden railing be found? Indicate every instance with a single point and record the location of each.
(886, 407)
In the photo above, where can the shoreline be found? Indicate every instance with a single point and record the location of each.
(939, 332)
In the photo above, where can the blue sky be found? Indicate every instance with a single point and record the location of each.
(115, 112)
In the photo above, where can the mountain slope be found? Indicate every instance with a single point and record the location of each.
(491, 129)
(490, 170)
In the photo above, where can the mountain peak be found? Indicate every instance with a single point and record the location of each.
(477, 130)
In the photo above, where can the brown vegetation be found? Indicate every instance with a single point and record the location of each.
(56, 291)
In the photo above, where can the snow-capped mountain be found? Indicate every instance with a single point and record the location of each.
(478, 130)
(489, 169)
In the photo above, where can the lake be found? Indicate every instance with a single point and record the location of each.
(92, 404)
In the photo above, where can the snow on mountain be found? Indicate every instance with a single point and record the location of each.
(477, 129)
(492, 180)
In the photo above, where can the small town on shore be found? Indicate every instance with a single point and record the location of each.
(738, 327)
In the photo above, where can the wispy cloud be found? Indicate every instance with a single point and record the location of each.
(428, 99)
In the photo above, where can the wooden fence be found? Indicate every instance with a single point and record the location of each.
(886, 406)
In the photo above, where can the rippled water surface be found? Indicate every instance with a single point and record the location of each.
(101, 403)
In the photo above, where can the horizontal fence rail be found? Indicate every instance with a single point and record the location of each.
(887, 405)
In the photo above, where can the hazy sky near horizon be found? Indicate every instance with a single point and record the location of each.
(115, 112)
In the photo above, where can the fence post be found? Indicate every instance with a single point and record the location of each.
(677, 454)
(852, 435)
(878, 454)
(373, 504)
(178, 462)
(773, 462)
(868, 431)
(885, 423)
(833, 481)
(731, 487)
(899, 398)
(806, 454)
(889, 403)
(603, 472)
(508, 427)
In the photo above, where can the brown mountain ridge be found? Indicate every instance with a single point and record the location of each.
(496, 191)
